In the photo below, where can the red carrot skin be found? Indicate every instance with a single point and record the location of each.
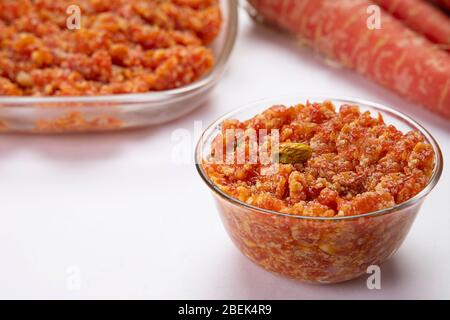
(393, 56)
(422, 17)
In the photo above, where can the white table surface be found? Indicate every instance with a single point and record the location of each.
(115, 216)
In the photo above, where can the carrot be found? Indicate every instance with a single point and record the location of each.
(422, 17)
(394, 56)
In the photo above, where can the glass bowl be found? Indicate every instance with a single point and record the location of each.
(316, 249)
(114, 112)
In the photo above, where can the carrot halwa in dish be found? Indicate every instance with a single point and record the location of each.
(122, 46)
(332, 168)
(358, 163)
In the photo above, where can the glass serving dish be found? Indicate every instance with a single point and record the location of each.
(121, 111)
(317, 249)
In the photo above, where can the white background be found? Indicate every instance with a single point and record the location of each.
(135, 224)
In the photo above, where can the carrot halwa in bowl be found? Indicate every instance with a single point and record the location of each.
(127, 63)
(333, 189)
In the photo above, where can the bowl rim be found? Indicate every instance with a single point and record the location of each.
(230, 30)
(437, 170)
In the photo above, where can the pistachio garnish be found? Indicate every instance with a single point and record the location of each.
(292, 152)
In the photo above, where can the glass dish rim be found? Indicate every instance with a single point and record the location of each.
(230, 30)
(437, 171)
